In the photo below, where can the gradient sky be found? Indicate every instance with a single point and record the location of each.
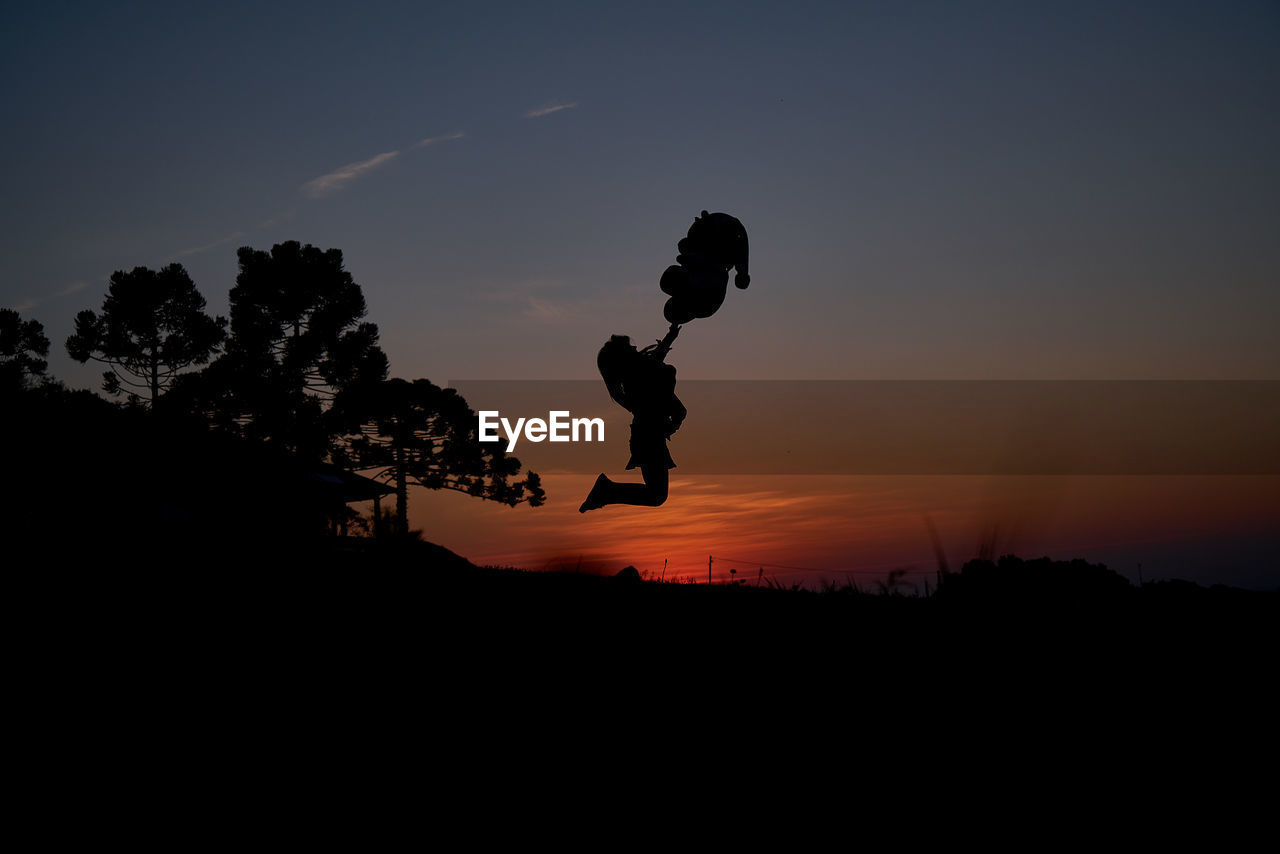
(933, 190)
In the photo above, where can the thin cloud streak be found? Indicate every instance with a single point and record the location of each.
(431, 140)
(546, 111)
(344, 175)
(549, 311)
(279, 218)
(196, 250)
(31, 302)
(71, 289)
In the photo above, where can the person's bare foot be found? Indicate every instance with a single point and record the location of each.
(594, 497)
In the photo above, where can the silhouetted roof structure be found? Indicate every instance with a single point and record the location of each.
(351, 487)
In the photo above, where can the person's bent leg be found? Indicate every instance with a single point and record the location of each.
(651, 493)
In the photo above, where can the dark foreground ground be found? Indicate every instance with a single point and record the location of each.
(385, 598)
(405, 668)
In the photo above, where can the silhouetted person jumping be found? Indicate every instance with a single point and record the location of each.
(643, 384)
(697, 282)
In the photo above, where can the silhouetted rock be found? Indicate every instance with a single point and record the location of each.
(628, 574)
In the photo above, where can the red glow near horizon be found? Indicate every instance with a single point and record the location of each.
(813, 528)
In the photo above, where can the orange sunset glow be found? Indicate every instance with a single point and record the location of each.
(810, 529)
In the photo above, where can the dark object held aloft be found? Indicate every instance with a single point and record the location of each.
(697, 282)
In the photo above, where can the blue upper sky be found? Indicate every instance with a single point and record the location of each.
(932, 190)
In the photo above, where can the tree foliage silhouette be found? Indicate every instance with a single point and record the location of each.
(421, 434)
(23, 348)
(153, 325)
(297, 340)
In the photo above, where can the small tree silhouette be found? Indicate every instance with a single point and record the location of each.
(152, 326)
(419, 433)
(23, 348)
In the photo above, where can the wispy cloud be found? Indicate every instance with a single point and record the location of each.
(431, 140)
(341, 177)
(71, 289)
(556, 301)
(279, 218)
(539, 300)
(546, 111)
(29, 303)
(196, 250)
(550, 311)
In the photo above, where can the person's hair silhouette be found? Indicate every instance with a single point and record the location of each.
(643, 384)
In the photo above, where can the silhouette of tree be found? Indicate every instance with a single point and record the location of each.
(296, 341)
(152, 326)
(23, 348)
(419, 433)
